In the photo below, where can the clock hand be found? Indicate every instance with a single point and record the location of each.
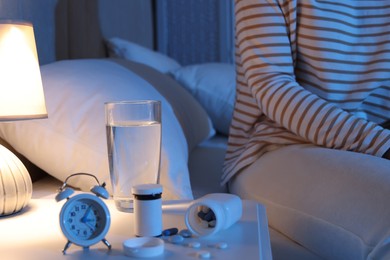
(84, 218)
(90, 226)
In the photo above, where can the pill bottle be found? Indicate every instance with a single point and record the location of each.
(225, 210)
(147, 210)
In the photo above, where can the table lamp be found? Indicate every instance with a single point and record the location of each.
(21, 97)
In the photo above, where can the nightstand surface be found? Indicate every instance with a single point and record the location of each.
(35, 233)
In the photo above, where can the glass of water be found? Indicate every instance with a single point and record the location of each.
(134, 145)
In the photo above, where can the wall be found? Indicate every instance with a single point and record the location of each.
(195, 31)
(67, 29)
(44, 28)
(191, 31)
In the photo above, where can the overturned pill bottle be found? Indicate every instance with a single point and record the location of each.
(147, 210)
(213, 212)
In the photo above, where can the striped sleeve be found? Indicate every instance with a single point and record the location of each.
(293, 71)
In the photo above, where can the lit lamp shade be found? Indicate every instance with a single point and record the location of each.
(21, 91)
(21, 97)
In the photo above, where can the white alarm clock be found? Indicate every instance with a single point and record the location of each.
(84, 218)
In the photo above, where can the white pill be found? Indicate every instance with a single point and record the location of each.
(203, 254)
(204, 224)
(176, 239)
(205, 209)
(194, 244)
(212, 223)
(185, 233)
(221, 245)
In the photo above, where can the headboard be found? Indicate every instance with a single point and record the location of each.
(71, 29)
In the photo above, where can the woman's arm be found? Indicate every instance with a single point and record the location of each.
(267, 50)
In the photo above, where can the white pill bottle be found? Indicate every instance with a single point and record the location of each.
(147, 210)
(226, 208)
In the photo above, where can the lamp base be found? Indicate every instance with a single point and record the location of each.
(15, 183)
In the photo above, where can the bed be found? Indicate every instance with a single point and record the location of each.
(93, 52)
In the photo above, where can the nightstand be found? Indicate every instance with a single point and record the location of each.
(34, 233)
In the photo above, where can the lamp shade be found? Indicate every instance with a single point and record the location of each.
(21, 91)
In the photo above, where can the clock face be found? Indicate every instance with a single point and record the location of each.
(84, 219)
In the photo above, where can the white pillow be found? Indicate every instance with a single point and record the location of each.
(214, 86)
(73, 138)
(119, 48)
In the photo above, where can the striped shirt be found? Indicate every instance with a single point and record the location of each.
(310, 71)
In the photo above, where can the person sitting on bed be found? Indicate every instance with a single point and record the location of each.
(313, 96)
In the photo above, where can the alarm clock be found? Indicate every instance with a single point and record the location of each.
(84, 218)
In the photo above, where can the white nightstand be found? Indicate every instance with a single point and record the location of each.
(35, 234)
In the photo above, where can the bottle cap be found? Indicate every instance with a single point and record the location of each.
(143, 246)
(147, 189)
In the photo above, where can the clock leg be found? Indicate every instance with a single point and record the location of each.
(66, 247)
(106, 243)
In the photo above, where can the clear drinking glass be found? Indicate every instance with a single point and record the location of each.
(134, 145)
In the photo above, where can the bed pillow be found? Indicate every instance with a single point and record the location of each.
(214, 86)
(194, 120)
(119, 48)
(73, 138)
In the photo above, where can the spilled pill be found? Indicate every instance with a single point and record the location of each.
(221, 245)
(170, 232)
(194, 244)
(185, 233)
(203, 254)
(176, 239)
